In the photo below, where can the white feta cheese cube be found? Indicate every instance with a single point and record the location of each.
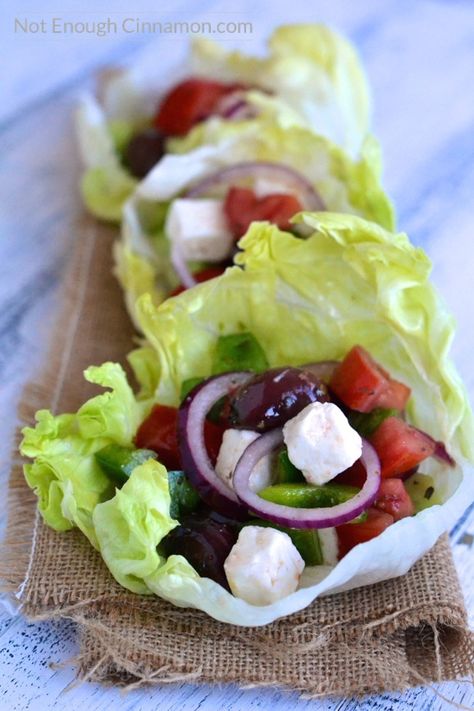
(321, 442)
(263, 566)
(234, 443)
(199, 229)
(174, 173)
(329, 545)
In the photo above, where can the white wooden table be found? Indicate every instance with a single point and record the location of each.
(420, 61)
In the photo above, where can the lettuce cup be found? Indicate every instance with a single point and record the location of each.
(311, 77)
(183, 222)
(299, 429)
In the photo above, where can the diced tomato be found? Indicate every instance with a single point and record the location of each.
(393, 499)
(354, 476)
(201, 276)
(358, 380)
(400, 447)
(189, 102)
(395, 396)
(350, 534)
(362, 384)
(159, 433)
(238, 206)
(277, 208)
(242, 207)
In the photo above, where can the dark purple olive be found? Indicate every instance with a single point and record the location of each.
(272, 398)
(205, 539)
(143, 152)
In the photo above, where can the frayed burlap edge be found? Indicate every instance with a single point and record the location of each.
(46, 390)
(101, 659)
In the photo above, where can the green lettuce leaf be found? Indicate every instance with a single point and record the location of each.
(141, 257)
(105, 184)
(64, 474)
(121, 133)
(311, 69)
(105, 190)
(345, 185)
(97, 145)
(130, 525)
(311, 78)
(350, 282)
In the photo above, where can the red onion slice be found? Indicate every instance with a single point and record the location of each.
(181, 268)
(235, 106)
(323, 369)
(194, 457)
(295, 182)
(296, 517)
(440, 453)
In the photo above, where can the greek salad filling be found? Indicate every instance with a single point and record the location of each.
(274, 469)
(184, 106)
(311, 79)
(204, 225)
(183, 223)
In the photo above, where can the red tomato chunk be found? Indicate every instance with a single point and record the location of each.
(159, 432)
(400, 447)
(362, 384)
(242, 207)
(189, 102)
(350, 534)
(395, 396)
(393, 499)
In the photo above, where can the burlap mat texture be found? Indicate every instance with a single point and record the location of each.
(403, 632)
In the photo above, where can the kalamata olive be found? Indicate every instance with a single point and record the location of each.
(205, 539)
(143, 152)
(272, 398)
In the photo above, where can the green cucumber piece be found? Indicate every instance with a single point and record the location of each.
(287, 473)
(184, 497)
(119, 462)
(309, 496)
(365, 423)
(421, 490)
(305, 540)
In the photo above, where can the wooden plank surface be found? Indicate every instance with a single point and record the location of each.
(420, 62)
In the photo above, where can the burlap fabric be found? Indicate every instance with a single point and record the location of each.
(384, 637)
